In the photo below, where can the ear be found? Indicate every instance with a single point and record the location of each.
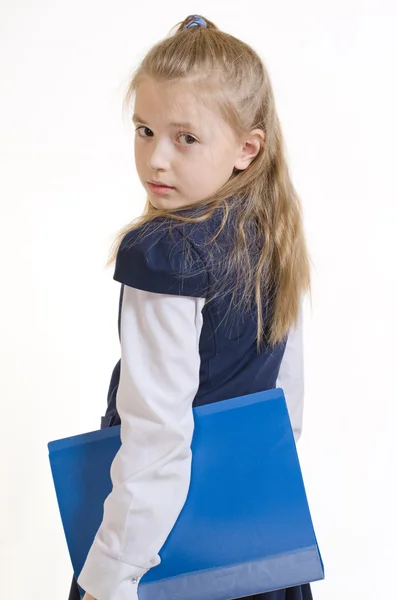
(250, 148)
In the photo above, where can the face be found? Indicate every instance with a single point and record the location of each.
(181, 143)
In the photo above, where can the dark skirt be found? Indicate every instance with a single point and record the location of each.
(301, 592)
(74, 593)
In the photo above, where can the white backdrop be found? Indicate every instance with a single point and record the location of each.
(67, 185)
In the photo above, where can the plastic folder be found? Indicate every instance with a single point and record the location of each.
(245, 527)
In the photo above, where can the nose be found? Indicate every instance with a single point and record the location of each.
(159, 158)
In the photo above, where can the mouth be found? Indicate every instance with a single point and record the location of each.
(159, 183)
(159, 188)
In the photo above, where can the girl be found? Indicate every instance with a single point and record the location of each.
(212, 282)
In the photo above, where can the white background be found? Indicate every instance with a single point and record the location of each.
(68, 184)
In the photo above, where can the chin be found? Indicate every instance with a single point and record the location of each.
(164, 204)
(158, 203)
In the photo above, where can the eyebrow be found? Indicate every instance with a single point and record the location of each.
(187, 125)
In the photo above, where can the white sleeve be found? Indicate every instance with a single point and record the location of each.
(291, 376)
(159, 378)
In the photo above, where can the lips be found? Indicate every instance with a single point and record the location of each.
(159, 184)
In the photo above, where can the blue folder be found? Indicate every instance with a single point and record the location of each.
(245, 527)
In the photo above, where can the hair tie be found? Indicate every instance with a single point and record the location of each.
(195, 21)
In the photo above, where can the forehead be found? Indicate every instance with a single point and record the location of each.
(175, 104)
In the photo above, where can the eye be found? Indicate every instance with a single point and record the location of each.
(187, 135)
(143, 127)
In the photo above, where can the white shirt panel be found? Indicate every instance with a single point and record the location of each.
(291, 376)
(159, 378)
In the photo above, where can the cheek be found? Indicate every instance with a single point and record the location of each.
(139, 157)
(137, 147)
(201, 164)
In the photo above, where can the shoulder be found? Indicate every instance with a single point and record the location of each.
(159, 258)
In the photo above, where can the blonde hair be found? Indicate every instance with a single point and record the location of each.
(229, 74)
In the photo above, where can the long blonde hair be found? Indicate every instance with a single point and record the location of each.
(231, 76)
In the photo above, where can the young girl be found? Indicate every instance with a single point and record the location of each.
(213, 277)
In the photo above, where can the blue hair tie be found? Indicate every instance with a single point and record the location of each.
(196, 21)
